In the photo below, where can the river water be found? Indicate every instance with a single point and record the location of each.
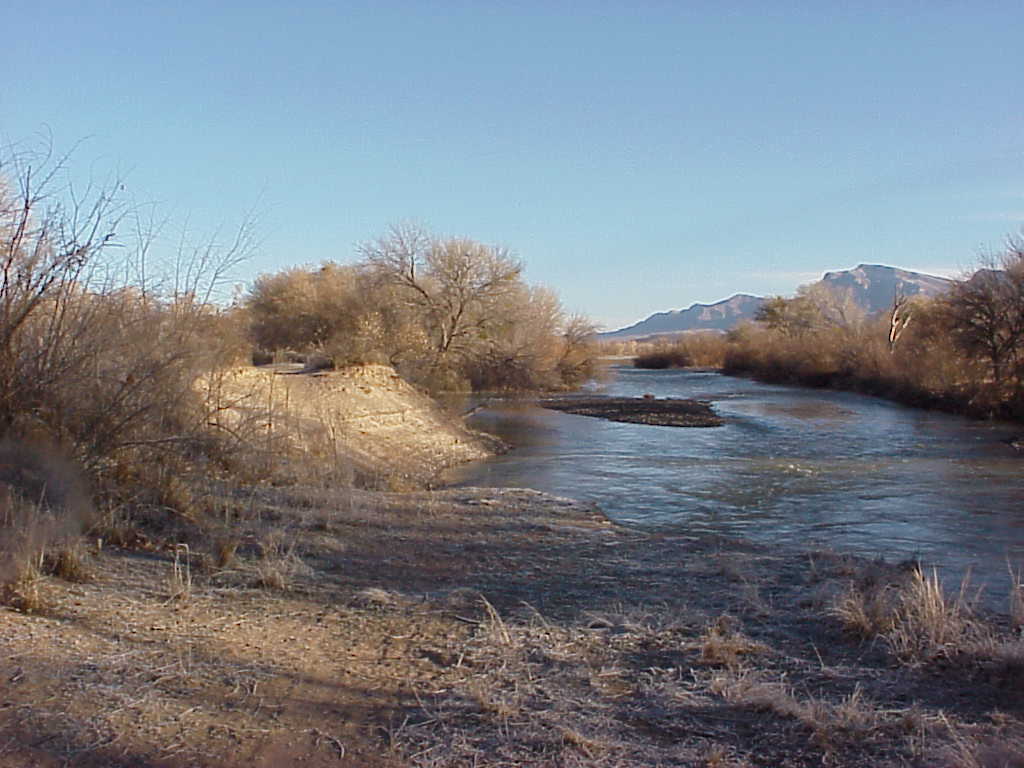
(791, 467)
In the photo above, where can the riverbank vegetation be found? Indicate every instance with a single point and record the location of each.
(119, 394)
(101, 349)
(962, 352)
(448, 313)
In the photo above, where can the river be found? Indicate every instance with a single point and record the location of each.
(791, 467)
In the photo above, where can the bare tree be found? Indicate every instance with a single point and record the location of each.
(577, 362)
(455, 282)
(987, 315)
(899, 319)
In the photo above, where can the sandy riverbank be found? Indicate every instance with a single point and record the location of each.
(364, 417)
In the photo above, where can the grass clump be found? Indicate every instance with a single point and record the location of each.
(928, 623)
(69, 561)
(911, 613)
(724, 645)
(917, 622)
(278, 565)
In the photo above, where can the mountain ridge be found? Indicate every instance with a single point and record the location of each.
(871, 286)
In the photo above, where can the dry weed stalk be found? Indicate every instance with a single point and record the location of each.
(495, 624)
(1016, 599)
(180, 582)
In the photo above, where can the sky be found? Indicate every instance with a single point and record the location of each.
(637, 156)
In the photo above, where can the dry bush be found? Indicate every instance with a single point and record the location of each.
(105, 366)
(703, 350)
(68, 561)
(659, 359)
(278, 564)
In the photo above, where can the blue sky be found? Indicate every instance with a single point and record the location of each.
(637, 156)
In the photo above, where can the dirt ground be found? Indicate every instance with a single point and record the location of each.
(474, 627)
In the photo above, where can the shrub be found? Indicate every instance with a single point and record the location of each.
(104, 369)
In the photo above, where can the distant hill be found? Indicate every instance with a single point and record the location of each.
(871, 286)
(720, 316)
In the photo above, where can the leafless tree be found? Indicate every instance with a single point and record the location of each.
(455, 282)
(987, 315)
(899, 318)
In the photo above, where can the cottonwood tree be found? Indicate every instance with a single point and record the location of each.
(835, 306)
(986, 314)
(899, 318)
(456, 284)
(521, 347)
(577, 362)
(790, 317)
(304, 307)
(816, 307)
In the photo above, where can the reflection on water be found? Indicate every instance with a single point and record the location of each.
(797, 467)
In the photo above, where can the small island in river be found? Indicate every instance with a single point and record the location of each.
(667, 412)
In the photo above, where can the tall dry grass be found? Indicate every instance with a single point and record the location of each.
(919, 622)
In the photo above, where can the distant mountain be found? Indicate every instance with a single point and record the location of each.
(720, 316)
(871, 286)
